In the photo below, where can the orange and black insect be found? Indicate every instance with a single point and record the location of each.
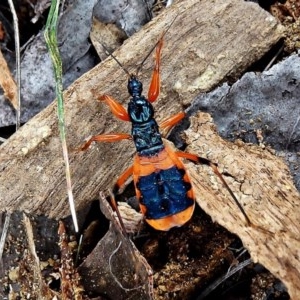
(162, 185)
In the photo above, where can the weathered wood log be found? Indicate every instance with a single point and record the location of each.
(263, 185)
(201, 48)
(115, 267)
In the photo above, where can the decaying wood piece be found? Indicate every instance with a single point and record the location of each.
(115, 267)
(262, 183)
(202, 47)
(30, 277)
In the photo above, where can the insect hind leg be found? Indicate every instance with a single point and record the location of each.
(205, 161)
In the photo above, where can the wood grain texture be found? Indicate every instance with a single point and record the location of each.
(263, 185)
(208, 41)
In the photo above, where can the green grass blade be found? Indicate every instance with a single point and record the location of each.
(51, 40)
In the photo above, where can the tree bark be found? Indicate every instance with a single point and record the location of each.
(263, 185)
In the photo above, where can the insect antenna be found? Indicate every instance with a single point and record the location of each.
(145, 58)
(121, 66)
(151, 50)
(116, 60)
(142, 63)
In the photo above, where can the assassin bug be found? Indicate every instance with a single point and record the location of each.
(162, 185)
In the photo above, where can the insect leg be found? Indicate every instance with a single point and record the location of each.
(167, 124)
(120, 183)
(155, 81)
(114, 137)
(215, 169)
(116, 108)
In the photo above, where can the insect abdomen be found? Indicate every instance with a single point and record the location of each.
(163, 189)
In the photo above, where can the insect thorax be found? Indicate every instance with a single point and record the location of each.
(145, 131)
(147, 138)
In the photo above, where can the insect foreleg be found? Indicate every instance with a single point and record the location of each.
(116, 108)
(154, 88)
